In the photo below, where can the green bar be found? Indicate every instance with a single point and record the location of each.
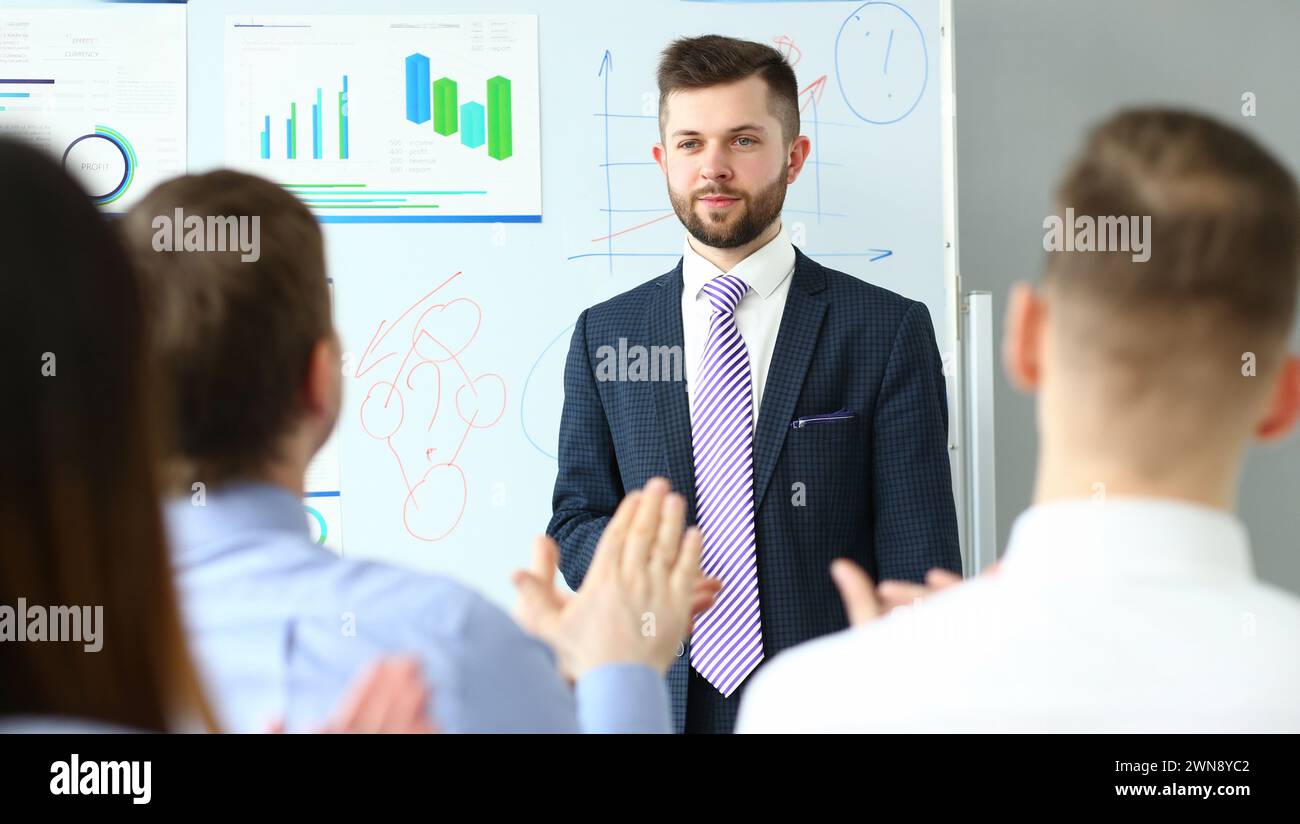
(445, 107)
(293, 127)
(325, 185)
(500, 140)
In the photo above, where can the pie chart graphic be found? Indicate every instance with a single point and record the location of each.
(103, 161)
(319, 519)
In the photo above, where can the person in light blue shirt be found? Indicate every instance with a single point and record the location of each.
(280, 626)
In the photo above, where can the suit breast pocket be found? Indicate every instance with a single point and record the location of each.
(824, 419)
(828, 448)
(821, 489)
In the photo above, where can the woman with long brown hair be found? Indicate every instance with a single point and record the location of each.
(79, 519)
(90, 627)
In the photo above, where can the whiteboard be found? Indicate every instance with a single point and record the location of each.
(871, 202)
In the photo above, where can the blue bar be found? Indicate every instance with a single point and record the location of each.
(15, 94)
(354, 200)
(288, 137)
(319, 129)
(266, 138)
(343, 122)
(417, 88)
(472, 129)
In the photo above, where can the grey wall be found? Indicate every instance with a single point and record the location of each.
(1031, 76)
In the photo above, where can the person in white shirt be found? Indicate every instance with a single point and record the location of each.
(1125, 600)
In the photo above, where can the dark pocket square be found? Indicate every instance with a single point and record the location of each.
(825, 417)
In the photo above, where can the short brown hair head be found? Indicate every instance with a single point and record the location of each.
(713, 60)
(232, 338)
(1224, 249)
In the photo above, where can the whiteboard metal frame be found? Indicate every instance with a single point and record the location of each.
(953, 359)
(977, 410)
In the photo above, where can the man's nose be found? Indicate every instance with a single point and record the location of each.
(715, 166)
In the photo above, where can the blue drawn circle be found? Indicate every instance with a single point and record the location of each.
(925, 55)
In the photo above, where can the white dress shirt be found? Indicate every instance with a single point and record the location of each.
(758, 316)
(1134, 614)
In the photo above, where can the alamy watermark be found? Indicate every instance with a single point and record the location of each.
(638, 363)
(215, 233)
(83, 625)
(77, 777)
(1105, 233)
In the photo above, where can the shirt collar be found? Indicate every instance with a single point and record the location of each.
(1128, 537)
(763, 271)
(230, 511)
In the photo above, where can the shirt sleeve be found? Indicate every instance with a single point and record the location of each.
(497, 678)
(623, 698)
(504, 680)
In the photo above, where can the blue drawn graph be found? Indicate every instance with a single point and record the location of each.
(603, 72)
(612, 206)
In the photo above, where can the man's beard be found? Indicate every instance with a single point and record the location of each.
(759, 212)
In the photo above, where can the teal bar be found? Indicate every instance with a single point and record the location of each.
(472, 120)
(318, 132)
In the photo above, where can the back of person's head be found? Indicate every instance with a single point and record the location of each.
(84, 552)
(236, 338)
(1189, 343)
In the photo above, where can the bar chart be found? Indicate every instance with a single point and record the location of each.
(404, 118)
(317, 128)
(475, 123)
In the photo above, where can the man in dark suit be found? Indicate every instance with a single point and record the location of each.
(801, 411)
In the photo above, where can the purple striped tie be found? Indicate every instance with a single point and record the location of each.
(728, 640)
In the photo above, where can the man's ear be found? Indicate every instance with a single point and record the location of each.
(799, 151)
(1284, 407)
(324, 373)
(661, 157)
(1022, 337)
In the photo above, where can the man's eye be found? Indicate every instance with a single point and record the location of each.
(689, 144)
(750, 139)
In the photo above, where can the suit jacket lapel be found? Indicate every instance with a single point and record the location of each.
(672, 410)
(795, 341)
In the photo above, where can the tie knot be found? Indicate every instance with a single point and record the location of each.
(725, 292)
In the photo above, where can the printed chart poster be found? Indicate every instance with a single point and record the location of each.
(322, 498)
(368, 118)
(101, 89)
(323, 488)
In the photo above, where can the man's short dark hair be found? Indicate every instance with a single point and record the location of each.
(713, 60)
(1220, 287)
(1225, 230)
(233, 339)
